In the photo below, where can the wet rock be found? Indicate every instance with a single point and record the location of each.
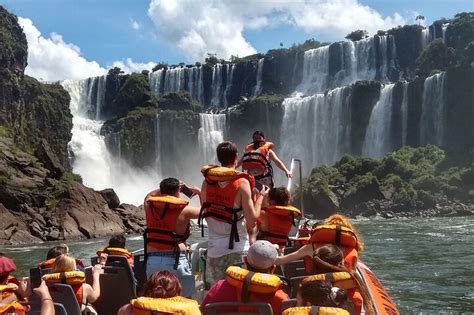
(110, 197)
(49, 159)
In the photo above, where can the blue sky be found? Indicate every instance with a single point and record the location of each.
(104, 32)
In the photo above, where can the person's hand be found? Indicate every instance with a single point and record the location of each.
(195, 190)
(97, 270)
(42, 291)
(24, 287)
(263, 192)
(288, 174)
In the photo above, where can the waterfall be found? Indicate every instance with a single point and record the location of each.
(444, 27)
(216, 85)
(433, 110)
(425, 37)
(177, 79)
(98, 168)
(359, 60)
(228, 87)
(404, 113)
(377, 136)
(101, 84)
(210, 134)
(258, 86)
(316, 129)
(158, 145)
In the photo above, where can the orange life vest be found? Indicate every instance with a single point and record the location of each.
(116, 251)
(13, 308)
(8, 289)
(280, 219)
(338, 235)
(256, 161)
(173, 305)
(161, 228)
(75, 279)
(220, 200)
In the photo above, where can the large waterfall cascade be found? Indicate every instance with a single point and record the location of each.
(258, 87)
(90, 157)
(377, 136)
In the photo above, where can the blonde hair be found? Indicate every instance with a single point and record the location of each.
(342, 220)
(64, 263)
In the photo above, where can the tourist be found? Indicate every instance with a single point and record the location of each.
(257, 160)
(55, 252)
(260, 258)
(161, 295)
(230, 213)
(117, 248)
(168, 226)
(322, 293)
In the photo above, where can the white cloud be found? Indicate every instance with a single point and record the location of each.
(135, 25)
(53, 59)
(198, 27)
(129, 66)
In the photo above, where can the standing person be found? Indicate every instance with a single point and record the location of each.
(168, 227)
(257, 160)
(229, 210)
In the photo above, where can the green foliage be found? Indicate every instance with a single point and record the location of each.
(4, 131)
(159, 66)
(357, 35)
(71, 177)
(436, 56)
(115, 71)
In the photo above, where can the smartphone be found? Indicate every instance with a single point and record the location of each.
(258, 185)
(35, 277)
(187, 191)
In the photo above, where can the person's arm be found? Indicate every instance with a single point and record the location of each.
(47, 304)
(306, 250)
(203, 192)
(125, 310)
(279, 163)
(94, 293)
(251, 211)
(191, 212)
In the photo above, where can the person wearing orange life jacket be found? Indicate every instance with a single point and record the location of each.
(117, 248)
(168, 226)
(229, 210)
(55, 252)
(263, 285)
(277, 217)
(257, 160)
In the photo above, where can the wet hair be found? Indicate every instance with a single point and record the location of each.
(326, 257)
(169, 186)
(280, 196)
(57, 251)
(344, 221)
(64, 263)
(258, 133)
(162, 284)
(226, 153)
(322, 293)
(117, 241)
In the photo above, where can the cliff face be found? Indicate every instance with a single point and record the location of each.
(39, 198)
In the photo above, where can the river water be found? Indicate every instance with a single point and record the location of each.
(426, 264)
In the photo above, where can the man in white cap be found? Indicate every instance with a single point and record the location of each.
(260, 258)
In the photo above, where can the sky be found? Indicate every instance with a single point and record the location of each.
(75, 39)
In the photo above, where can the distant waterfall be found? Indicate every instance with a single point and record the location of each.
(90, 158)
(258, 86)
(211, 133)
(216, 100)
(228, 88)
(158, 145)
(444, 27)
(316, 129)
(377, 137)
(404, 113)
(425, 37)
(366, 59)
(101, 85)
(433, 110)
(177, 79)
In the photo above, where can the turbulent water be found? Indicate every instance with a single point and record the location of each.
(90, 158)
(424, 263)
(210, 135)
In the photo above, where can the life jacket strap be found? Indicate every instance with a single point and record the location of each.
(245, 293)
(283, 237)
(314, 310)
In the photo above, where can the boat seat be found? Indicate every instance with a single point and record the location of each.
(61, 294)
(35, 308)
(139, 269)
(287, 304)
(286, 284)
(117, 288)
(229, 308)
(294, 269)
(295, 283)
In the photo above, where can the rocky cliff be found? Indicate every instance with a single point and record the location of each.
(40, 199)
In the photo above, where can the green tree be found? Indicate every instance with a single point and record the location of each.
(115, 71)
(357, 35)
(420, 18)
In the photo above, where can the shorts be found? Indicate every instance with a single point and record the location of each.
(159, 261)
(216, 267)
